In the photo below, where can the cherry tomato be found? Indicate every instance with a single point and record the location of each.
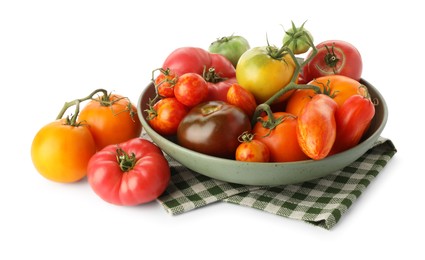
(316, 131)
(352, 120)
(190, 89)
(232, 47)
(334, 57)
(213, 128)
(252, 150)
(165, 115)
(280, 137)
(338, 86)
(112, 119)
(130, 173)
(298, 39)
(165, 82)
(263, 71)
(241, 98)
(60, 152)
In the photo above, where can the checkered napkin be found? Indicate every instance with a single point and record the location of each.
(321, 202)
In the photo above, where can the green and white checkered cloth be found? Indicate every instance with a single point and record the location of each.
(321, 202)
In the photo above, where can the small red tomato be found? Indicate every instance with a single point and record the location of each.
(165, 82)
(191, 89)
(242, 98)
(252, 150)
(165, 115)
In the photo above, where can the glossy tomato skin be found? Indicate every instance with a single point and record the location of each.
(61, 152)
(334, 57)
(339, 87)
(166, 116)
(165, 82)
(193, 59)
(263, 75)
(112, 122)
(252, 151)
(213, 128)
(191, 89)
(142, 183)
(352, 120)
(231, 47)
(282, 140)
(242, 98)
(218, 91)
(316, 131)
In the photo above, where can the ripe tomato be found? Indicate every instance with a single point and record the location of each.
(334, 57)
(316, 129)
(60, 152)
(213, 128)
(129, 173)
(165, 82)
(112, 119)
(217, 86)
(263, 71)
(190, 89)
(252, 150)
(338, 86)
(242, 98)
(231, 47)
(281, 138)
(165, 115)
(352, 120)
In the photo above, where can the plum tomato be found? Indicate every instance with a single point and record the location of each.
(334, 57)
(213, 128)
(242, 98)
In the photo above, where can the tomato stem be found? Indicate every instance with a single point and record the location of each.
(73, 120)
(125, 160)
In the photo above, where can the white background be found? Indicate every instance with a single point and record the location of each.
(56, 51)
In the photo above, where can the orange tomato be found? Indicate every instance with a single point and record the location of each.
(339, 87)
(61, 152)
(111, 121)
(282, 139)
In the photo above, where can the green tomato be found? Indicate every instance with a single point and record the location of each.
(231, 47)
(298, 39)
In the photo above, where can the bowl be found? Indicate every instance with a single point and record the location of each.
(252, 173)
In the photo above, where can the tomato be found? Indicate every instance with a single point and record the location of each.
(334, 57)
(352, 120)
(60, 152)
(129, 173)
(232, 47)
(165, 115)
(242, 98)
(338, 86)
(252, 150)
(280, 138)
(263, 71)
(190, 89)
(112, 119)
(213, 128)
(298, 39)
(165, 82)
(193, 59)
(316, 131)
(217, 86)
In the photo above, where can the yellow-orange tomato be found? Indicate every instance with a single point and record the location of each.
(111, 121)
(60, 152)
(252, 151)
(339, 87)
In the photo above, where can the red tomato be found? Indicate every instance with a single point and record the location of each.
(338, 86)
(217, 85)
(316, 130)
(334, 57)
(193, 59)
(191, 89)
(252, 150)
(165, 115)
(130, 173)
(165, 82)
(241, 98)
(352, 120)
(280, 138)
(112, 119)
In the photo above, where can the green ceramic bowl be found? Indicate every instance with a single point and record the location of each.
(265, 173)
